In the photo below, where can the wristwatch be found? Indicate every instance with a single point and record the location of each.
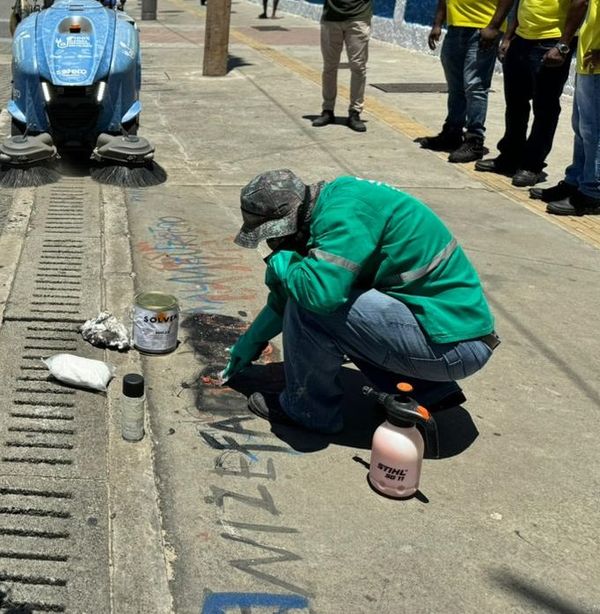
(563, 49)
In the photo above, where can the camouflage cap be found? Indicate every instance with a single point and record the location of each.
(270, 205)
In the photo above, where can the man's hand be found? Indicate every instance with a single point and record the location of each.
(250, 345)
(241, 355)
(503, 48)
(434, 37)
(591, 60)
(488, 37)
(553, 58)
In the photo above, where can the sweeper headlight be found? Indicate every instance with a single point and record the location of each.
(46, 91)
(100, 91)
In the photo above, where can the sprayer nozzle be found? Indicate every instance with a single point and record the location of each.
(424, 412)
(367, 390)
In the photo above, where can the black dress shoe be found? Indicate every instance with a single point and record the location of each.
(355, 122)
(494, 165)
(268, 407)
(326, 117)
(523, 178)
(576, 204)
(446, 140)
(560, 191)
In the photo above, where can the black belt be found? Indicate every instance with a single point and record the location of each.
(492, 340)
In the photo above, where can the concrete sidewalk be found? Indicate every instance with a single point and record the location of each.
(261, 521)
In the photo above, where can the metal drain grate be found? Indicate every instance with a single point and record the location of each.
(64, 249)
(42, 426)
(271, 29)
(44, 530)
(53, 439)
(411, 88)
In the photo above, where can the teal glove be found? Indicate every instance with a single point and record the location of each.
(251, 344)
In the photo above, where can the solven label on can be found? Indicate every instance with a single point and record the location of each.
(155, 331)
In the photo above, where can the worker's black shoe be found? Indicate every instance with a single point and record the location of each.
(472, 149)
(576, 204)
(326, 117)
(560, 191)
(355, 122)
(268, 407)
(523, 178)
(495, 165)
(446, 140)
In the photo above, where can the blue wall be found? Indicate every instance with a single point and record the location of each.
(381, 8)
(420, 11)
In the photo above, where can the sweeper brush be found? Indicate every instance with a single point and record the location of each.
(143, 176)
(27, 177)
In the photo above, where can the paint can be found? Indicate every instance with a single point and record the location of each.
(155, 322)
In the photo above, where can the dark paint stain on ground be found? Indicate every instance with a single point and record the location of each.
(210, 336)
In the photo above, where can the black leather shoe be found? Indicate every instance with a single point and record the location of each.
(494, 165)
(268, 407)
(326, 117)
(472, 149)
(576, 204)
(523, 178)
(560, 191)
(444, 141)
(355, 122)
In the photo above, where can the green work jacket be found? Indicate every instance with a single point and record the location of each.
(366, 234)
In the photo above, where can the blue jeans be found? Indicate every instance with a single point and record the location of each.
(382, 337)
(584, 172)
(468, 70)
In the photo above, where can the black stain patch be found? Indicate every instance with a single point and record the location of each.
(210, 336)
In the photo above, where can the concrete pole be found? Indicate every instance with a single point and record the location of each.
(216, 37)
(148, 10)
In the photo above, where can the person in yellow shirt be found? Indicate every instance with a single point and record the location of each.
(468, 56)
(579, 193)
(537, 50)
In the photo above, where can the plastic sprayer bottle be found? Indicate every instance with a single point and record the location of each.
(397, 449)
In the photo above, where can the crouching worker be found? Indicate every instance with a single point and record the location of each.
(361, 270)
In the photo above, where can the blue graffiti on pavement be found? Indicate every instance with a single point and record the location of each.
(221, 603)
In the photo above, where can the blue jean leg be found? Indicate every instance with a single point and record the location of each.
(468, 70)
(379, 333)
(453, 60)
(585, 169)
(478, 71)
(574, 171)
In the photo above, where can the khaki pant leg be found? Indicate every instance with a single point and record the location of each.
(356, 37)
(332, 42)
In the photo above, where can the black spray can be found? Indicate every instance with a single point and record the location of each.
(132, 407)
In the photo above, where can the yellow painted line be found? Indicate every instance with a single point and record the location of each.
(586, 228)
